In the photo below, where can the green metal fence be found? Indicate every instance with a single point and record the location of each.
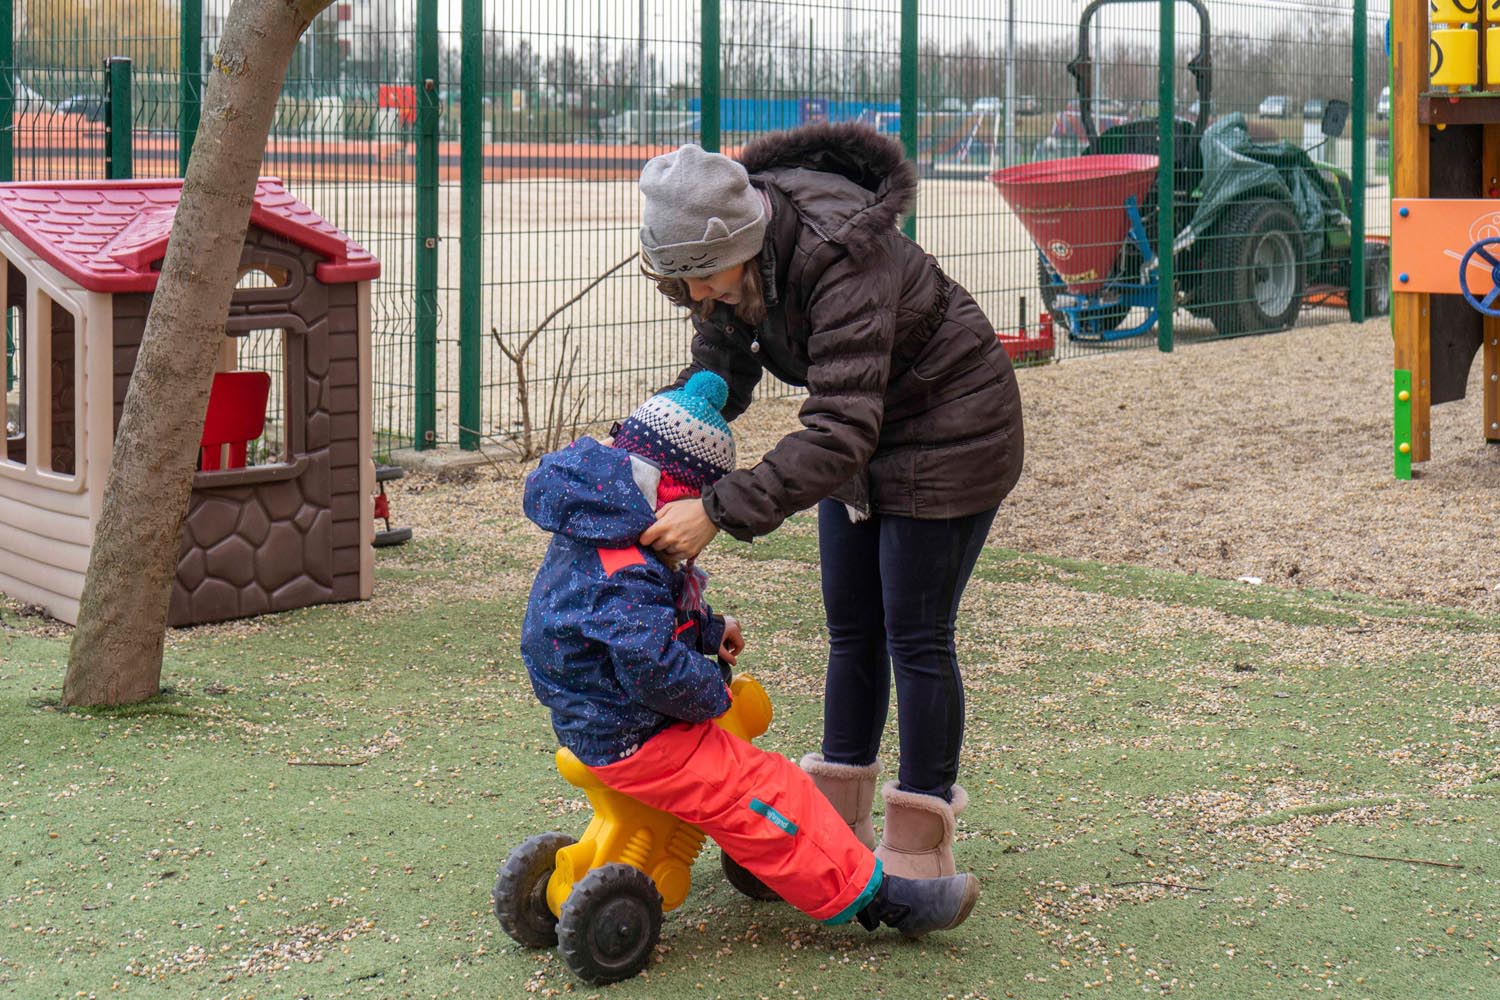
(487, 154)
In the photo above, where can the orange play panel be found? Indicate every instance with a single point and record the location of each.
(1431, 238)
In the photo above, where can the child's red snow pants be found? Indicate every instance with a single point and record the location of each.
(762, 809)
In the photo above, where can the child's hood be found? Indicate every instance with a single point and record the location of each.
(593, 494)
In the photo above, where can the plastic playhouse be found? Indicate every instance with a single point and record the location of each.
(281, 514)
(1445, 214)
(600, 899)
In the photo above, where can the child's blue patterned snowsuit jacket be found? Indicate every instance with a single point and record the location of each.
(606, 648)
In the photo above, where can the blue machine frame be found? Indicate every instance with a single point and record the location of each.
(1084, 312)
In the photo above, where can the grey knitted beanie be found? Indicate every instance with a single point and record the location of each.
(700, 215)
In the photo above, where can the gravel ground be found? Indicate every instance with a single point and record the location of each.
(1266, 458)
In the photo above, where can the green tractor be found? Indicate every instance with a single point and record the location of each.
(1260, 230)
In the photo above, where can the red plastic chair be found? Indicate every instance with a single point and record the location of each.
(236, 416)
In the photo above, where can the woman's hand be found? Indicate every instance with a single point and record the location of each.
(733, 643)
(682, 530)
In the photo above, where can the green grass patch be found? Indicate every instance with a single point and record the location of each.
(1179, 786)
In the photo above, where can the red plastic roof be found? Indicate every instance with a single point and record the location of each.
(107, 235)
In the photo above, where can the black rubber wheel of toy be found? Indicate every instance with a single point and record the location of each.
(1255, 272)
(521, 890)
(745, 881)
(1377, 280)
(394, 536)
(610, 924)
(1105, 319)
(385, 473)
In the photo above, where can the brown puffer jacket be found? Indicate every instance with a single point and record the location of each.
(912, 405)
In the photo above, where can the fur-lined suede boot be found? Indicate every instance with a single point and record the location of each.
(850, 788)
(917, 841)
(915, 906)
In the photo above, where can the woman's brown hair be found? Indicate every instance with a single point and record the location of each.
(752, 305)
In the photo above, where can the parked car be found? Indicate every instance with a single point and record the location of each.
(947, 104)
(1027, 104)
(1067, 135)
(1276, 106)
(91, 106)
(1383, 103)
(1313, 107)
(987, 105)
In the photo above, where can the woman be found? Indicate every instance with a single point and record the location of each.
(791, 263)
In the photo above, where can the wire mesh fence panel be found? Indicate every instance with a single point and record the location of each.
(1260, 237)
(342, 136)
(991, 83)
(62, 110)
(1269, 243)
(344, 141)
(581, 96)
(555, 329)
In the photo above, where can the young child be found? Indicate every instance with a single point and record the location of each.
(617, 644)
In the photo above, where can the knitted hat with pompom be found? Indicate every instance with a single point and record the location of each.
(683, 432)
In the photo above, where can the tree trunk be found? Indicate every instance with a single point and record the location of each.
(122, 619)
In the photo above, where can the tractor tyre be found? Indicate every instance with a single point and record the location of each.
(1377, 279)
(1256, 273)
(610, 924)
(520, 893)
(1096, 322)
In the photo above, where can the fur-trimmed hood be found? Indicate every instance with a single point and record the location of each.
(886, 180)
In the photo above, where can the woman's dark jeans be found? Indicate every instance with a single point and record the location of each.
(891, 587)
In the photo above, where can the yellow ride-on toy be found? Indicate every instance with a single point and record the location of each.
(600, 899)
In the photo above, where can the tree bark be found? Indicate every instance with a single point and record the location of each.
(122, 619)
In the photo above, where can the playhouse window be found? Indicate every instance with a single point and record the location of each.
(265, 351)
(63, 390)
(262, 276)
(15, 387)
(41, 380)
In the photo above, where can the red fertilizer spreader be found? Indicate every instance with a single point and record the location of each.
(1082, 212)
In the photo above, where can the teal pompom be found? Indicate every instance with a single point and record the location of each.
(709, 387)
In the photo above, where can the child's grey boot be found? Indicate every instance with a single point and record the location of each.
(850, 788)
(917, 841)
(915, 906)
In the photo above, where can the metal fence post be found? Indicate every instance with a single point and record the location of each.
(424, 364)
(471, 225)
(7, 91)
(1359, 72)
(711, 89)
(1166, 191)
(119, 123)
(909, 57)
(190, 78)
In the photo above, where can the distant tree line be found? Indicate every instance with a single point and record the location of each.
(766, 51)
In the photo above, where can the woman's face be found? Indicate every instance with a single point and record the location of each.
(721, 287)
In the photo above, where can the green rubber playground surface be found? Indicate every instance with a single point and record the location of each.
(1178, 787)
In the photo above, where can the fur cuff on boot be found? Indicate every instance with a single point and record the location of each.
(850, 788)
(918, 838)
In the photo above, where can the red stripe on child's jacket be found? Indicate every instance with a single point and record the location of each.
(614, 560)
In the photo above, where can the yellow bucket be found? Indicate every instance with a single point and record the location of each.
(1453, 11)
(1454, 58)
